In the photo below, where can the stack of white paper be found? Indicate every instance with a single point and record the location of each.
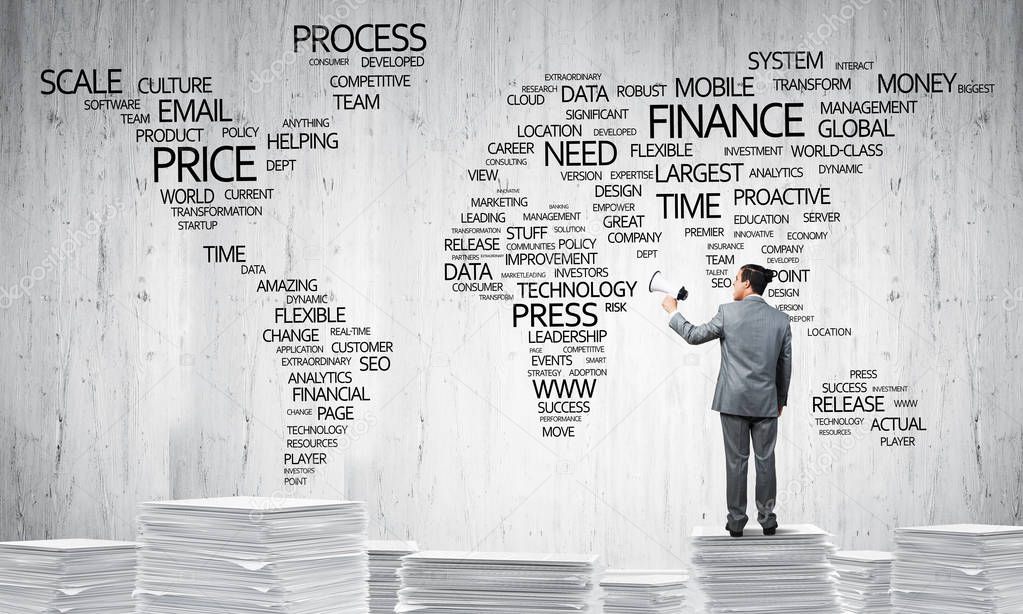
(864, 580)
(958, 568)
(247, 554)
(638, 591)
(384, 563)
(67, 576)
(502, 583)
(787, 572)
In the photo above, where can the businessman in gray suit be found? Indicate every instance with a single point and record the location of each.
(752, 387)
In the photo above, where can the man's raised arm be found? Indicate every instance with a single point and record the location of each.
(695, 335)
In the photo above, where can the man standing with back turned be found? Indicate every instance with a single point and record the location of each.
(752, 387)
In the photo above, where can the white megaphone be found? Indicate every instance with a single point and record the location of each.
(659, 284)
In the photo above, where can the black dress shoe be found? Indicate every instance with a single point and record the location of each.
(770, 531)
(733, 533)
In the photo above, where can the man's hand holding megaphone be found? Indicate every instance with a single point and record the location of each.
(670, 303)
(674, 292)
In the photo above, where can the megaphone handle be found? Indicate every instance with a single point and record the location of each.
(682, 294)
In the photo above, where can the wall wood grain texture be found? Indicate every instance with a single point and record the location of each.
(134, 371)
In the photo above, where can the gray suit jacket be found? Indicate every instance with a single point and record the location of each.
(756, 355)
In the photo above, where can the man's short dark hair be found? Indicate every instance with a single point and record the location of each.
(757, 276)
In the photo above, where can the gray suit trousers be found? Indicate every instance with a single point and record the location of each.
(738, 432)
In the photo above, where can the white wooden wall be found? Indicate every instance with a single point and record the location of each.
(134, 371)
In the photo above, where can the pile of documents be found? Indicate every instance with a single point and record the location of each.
(504, 583)
(787, 572)
(249, 554)
(67, 576)
(958, 568)
(636, 591)
(864, 580)
(384, 563)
